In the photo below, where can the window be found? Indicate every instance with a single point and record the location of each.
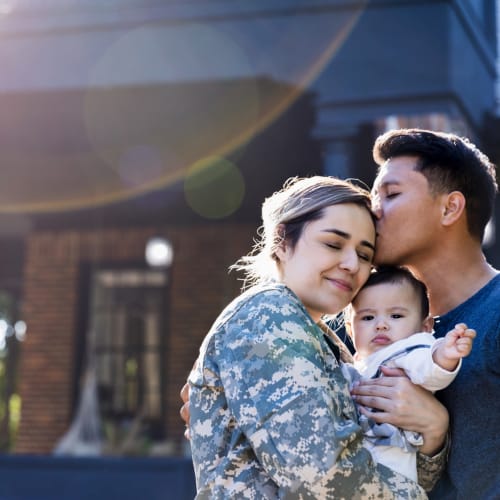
(432, 121)
(125, 346)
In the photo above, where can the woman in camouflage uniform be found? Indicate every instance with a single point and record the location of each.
(271, 413)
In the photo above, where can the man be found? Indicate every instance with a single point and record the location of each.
(433, 196)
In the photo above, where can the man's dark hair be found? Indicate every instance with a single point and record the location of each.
(396, 275)
(449, 163)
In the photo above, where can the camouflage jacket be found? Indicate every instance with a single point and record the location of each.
(271, 413)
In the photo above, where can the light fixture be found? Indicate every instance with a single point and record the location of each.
(159, 252)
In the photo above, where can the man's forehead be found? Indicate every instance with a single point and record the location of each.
(393, 171)
(385, 179)
(382, 179)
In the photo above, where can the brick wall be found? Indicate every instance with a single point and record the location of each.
(199, 287)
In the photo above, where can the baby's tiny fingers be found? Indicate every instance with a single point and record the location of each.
(471, 333)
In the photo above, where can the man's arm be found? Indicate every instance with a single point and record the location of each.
(184, 411)
(410, 407)
(404, 405)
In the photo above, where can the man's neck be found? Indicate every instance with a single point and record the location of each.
(453, 277)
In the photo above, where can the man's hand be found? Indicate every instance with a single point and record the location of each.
(405, 405)
(184, 411)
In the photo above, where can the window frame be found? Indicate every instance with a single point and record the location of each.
(87, 272)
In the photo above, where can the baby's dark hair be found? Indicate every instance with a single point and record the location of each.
(394, 274)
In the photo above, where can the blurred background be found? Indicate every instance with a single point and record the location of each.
(138, 139)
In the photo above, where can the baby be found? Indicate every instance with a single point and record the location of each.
(390, 325)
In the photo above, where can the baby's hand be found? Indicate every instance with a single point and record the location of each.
(456, 345)
(458, 342)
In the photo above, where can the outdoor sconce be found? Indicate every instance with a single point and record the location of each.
(159, 252)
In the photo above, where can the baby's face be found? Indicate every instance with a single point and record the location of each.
(384, 313)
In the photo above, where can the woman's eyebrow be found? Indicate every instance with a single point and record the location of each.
(347, 236)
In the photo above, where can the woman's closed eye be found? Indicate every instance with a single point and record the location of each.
(366, 257)
(334, 246)
(388, 196)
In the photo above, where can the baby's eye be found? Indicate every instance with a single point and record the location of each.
(397, 316)
(367, 317)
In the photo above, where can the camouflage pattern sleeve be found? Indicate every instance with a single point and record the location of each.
(271, 413)
(429, 469)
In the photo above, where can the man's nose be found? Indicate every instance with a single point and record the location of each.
(377, 208)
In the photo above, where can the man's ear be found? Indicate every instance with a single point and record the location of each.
(428, 324)
(453, 207)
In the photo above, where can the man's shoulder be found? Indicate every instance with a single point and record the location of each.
(495, 282)
(480, 311)
(483, 305)
(483, 297)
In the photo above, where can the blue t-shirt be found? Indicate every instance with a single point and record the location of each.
(473, 400)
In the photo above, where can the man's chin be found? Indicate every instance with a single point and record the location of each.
(384, 259)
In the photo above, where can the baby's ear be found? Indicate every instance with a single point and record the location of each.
(348, 328)
(428, 324)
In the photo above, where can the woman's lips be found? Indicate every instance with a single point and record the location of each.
(344, 285)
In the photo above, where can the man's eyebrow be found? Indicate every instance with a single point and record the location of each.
(388, 182)
(347, 236)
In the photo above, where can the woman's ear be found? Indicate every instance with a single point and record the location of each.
(428, 324)
(453, 207)
(281, 246)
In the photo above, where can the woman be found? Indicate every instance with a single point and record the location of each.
(271, 413)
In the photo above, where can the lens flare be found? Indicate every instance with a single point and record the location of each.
(214, 188)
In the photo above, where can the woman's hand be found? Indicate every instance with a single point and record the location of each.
(184, 411)
(404, 405)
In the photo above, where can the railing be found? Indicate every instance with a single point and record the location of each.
(105, 478)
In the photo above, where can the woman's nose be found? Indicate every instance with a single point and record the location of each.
(350, 261)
